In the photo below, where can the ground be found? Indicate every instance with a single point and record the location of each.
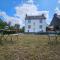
(29, 47)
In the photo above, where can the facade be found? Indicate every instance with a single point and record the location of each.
(35, 23)
(56, 22)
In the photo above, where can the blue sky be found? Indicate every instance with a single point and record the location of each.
(8, 6)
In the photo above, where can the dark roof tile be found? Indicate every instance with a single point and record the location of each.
(56, 20)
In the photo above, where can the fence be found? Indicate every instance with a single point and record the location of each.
(52, 36)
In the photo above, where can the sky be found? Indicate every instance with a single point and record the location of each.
(14, 11)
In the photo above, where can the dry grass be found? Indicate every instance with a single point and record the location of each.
(29, 47)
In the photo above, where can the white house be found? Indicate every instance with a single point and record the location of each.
(35, 23)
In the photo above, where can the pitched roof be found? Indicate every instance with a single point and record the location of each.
(56, 20)
(35, 17)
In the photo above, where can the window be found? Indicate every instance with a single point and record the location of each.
(29, 26)
(28, 30)
(41, 21)
(40, 26)
(29, 21)
(34, 29)
(34, 23)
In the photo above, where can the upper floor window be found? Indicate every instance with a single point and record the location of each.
(29, 21)
(40, 26)
(34, 23)
(41, 21)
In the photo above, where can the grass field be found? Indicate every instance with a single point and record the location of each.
(29, 47)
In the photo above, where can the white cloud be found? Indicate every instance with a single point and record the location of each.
(30, 1)
(59, 1)
(57, 10)
(19, 17)
(13, 20)
(28, 8)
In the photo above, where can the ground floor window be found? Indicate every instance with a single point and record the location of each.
(40, 26)
(29, 26)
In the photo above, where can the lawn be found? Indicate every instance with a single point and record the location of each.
(29, 47)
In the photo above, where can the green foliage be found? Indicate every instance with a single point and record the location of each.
(2, 24)
(11, 27)
(22, 29)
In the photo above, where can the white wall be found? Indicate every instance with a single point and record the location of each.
(36, 26)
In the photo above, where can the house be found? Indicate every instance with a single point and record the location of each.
(35, 23)
(56, 22)
(50, 28)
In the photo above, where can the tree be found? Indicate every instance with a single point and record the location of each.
(17, 26)
(22, 29)
(2, 24)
